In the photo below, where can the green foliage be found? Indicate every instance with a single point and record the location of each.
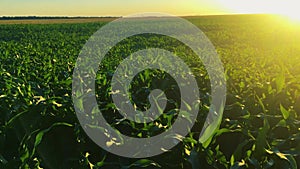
(261, 123)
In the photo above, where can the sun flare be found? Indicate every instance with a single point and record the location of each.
(293, 16)
(287, 8)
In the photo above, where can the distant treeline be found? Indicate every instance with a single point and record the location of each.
(48, 17)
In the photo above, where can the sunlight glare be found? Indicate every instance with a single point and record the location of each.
(288, 8)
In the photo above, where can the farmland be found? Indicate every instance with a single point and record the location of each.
(53, 20)
(261, 121)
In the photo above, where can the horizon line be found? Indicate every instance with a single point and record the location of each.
(120, 16)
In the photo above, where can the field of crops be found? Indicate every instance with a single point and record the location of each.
(261, 121)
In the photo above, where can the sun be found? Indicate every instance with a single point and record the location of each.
(286, 8)
(293, 16)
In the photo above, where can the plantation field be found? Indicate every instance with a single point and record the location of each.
(261, 122)
(54, 21)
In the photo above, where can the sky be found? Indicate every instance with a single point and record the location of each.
(127, 7)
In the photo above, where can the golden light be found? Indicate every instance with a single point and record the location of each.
(287, 8)
(293, 16)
